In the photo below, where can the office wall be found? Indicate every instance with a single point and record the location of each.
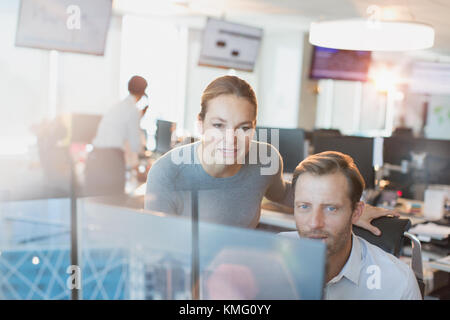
(198, 77)
(156, 50)
(23, 84)
(279, 75)
(87, 83)
(37, 84)
(276, 78)
(356, 108)
(91, 84)
(438, 119)
(308, 89)
(338, 105)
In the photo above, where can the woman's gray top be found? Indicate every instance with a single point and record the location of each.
(234, 200)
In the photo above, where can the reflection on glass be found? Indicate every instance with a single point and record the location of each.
(135, 254)
(132, 254)
(35, 249)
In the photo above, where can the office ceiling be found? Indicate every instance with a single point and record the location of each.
(298, 14)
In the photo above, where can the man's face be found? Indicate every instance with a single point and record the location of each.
(323, 209)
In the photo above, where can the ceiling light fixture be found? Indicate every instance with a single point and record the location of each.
(370, 35)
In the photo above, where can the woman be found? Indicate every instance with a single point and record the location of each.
(228, 171)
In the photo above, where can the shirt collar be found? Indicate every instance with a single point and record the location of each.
(353, 266)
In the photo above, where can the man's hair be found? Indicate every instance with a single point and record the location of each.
(137, 85)
(330, 162)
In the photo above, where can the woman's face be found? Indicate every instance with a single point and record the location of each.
(227, 129)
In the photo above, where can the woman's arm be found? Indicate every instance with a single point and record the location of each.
(370, 213)
(280, 190)
(160, 195)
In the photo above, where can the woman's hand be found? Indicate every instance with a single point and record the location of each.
(370, 213)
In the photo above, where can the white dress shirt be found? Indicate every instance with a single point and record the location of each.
(371, 274)
(119, 125)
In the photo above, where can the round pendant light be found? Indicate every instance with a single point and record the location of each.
(368, 35)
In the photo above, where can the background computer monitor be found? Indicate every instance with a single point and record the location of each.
(84, 127)
(164, 130)
(290, 145)
(359, 148)
(436, 168)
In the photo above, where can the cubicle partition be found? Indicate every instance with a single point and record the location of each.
(153, 255)
(135, 254)
(35, 247)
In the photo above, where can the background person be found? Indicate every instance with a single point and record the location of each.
(119, 130)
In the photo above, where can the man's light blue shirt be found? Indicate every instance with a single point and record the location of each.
(371, 274)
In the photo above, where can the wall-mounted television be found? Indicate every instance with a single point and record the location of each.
(79, 26)
(338, 64)
(230, 45)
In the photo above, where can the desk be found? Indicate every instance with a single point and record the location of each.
(439, 265)
(278, 219)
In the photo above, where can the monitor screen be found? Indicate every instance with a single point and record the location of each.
(359, 148)
(84, 127)
(230, 45)
(164, 130)
(436, 166)
(66, 25)
(290, 145)
(338, 64)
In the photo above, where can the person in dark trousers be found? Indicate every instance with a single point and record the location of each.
(105, 167)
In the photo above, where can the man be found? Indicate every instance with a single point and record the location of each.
(328, 188)
(118, 131)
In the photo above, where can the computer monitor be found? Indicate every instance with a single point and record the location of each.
(84, 127)
(290, 145)
(437, 161)
(164, 130)
(436, 168)
(359, 148)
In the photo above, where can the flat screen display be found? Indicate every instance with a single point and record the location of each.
(338, 64)
(230, 45)
(79, 26)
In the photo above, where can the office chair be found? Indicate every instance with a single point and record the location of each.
(393, 232)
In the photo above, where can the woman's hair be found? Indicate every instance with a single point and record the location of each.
(227, 85)
(329, 162)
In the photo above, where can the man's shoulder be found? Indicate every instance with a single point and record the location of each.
(397, 277)
(374, 255)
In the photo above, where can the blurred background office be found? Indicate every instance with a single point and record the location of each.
(388, 109)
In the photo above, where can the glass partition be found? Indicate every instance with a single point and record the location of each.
(136, 254)
(128, 253)
(35, 249)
